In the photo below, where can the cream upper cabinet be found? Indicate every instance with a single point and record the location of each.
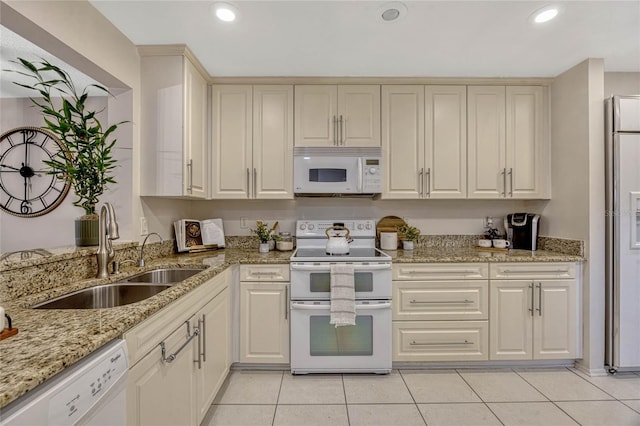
(403, 141)
(508, 152)
(174, 144)
(445, 164)
(252, 141)
(424, 133)
(343, 115)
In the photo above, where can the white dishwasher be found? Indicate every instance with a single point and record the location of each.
(90, 392)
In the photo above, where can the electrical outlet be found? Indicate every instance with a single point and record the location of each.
(144, 229)
(243, 223)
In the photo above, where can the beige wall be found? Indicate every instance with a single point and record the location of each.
(621, 83)
(577, 173)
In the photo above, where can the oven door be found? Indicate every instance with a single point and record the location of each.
(320, 347)
(312, 281)
(327, 175)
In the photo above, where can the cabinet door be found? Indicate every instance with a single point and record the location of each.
(359, 115)
(510, 320)
(555, 323)
(315, 115)
(445, 142)
(403, 141)
(214, 348)
(264, 322)
(526, 150)
(231, 141)
(196, 177)
(273, 142)
(163, 393)
(486, 142)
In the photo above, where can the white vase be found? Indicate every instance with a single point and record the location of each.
(264, 248)
(407, 245)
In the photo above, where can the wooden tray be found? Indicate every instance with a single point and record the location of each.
(8, 332)
(201, 248)
(493, 249)
(389, 224)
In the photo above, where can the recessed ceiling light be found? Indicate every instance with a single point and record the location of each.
(545, 14)
(224, 11)
(390, 12)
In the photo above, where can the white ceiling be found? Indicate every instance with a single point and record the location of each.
(348, 38)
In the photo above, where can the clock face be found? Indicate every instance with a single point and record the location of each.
(26, 188)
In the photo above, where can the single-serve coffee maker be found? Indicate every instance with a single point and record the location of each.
(522, 230)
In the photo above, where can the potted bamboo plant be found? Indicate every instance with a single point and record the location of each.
(87, 161)
(408, 234)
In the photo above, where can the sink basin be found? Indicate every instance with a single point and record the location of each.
(164, 276)
(104, 296)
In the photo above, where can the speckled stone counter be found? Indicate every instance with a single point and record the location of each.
(51, 340)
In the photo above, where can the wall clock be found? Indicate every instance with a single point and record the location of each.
(26, 188)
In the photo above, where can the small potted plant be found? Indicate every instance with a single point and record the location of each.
(408, 234)
(87, 161)
(264, 234)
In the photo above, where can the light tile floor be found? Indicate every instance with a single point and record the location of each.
(549, 397)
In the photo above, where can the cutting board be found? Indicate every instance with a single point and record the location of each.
(388, 224)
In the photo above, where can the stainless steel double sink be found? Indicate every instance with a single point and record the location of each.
(133, 289)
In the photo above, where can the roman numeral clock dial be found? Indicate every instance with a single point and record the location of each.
(26, 187)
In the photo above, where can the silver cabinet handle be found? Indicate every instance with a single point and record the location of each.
(335, 130)
(173, 356)
(414, 343)
(510, 182)
(190, 173)
(531, 305)
(538, 271)
(342, 131)
(286, 302)
(439, 301)
(421, 182)
(504, 182)
(539, 299)
(428, 184)
(442, 271)
(248, 183)
(199, 360)
(204, 337)
(255, 181)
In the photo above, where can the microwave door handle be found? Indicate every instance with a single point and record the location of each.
(377, 306)
(360, 172)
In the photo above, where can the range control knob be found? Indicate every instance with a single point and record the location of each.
(303, 226)
(368, 226)
(360, 226)
(372, 170)
(311, 227)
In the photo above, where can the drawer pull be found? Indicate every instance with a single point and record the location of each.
(263, 273)
(440, 301)
(173, 356)
(444, 271)
(540, 271)
(414, 343)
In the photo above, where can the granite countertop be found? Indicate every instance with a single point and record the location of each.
(51, 340)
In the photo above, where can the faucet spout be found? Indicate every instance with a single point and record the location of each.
(141, 258)
(105, 253)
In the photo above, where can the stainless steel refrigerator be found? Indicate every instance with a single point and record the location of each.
(623, 233)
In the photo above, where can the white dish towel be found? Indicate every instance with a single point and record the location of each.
(343, 294)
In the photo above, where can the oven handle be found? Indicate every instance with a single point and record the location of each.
(327, 307)
(327, 267)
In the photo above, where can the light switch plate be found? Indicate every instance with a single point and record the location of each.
(144, 229)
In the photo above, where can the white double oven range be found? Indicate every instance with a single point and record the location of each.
(318, 346)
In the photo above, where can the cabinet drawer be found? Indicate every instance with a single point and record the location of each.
(532, 271)
(440, 300)
(440, 271)
(264, 272)
(440, 340)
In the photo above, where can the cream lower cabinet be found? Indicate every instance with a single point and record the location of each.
(252, 141)
(264, 314)
(534, 311)
(440, 312)
(177, 371)
(508, 142)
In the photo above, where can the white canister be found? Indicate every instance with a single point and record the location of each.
(388, 240)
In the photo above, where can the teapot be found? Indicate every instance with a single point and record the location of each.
(337, 244)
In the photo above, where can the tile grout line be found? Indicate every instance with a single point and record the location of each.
(273, 419)
(593, 384)
(346, 405)
(479, 397)
(412, 397)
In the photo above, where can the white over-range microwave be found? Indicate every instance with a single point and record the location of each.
(337, 171)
